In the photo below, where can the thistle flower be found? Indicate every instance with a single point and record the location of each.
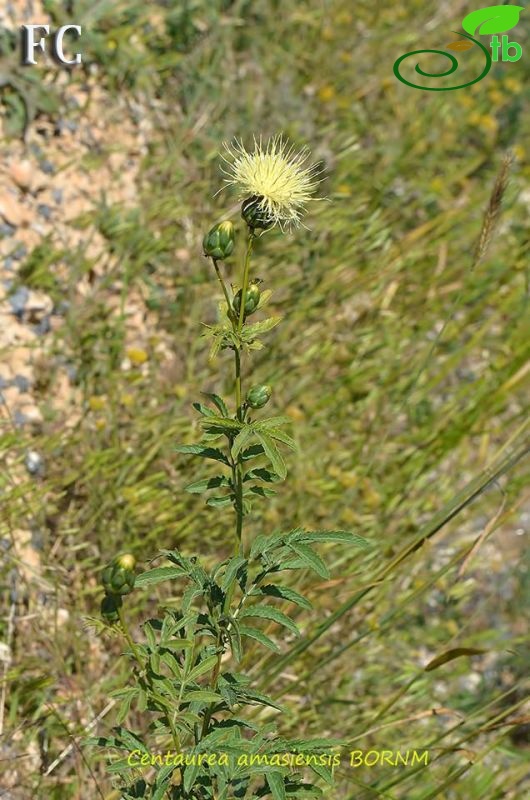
(275, 177)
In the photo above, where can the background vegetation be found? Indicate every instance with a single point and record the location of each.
(405, 372)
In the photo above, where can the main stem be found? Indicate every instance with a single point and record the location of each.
(239, 405)
(237, 468)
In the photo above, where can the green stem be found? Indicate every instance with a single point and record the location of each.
(126, 632)
(246, 270)
(225, 290)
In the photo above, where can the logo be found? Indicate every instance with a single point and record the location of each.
(29, 45)
(483, 22)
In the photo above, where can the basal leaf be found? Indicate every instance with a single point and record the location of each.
(493, 19)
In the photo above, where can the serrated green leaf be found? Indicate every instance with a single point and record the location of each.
(261, 491)
(273, 454)
(201, 668)
(276, 785)
(218, 402)
(272, 422)
(345, 537)
(310, 558)
(125, 706)
(158, 575)
(264, 326)
(231, 570)
(283, 437)
(261, 474)
(222, 422)
(241, 440)
(263, 611)
(285, 593)
(259, 636)
(204, 695)
(162, 781)
(130, 739)
(219, 501)
(197, 487)
(252, 452)
(204, 410)
(205, 452)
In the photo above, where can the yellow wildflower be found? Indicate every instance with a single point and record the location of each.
(275, 175)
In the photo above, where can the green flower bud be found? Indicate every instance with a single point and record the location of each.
(219, 242)
(109, 607)
(251, 299)
(118, 576)
(258, 396)
(254, 215)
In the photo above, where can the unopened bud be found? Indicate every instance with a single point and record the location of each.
(219, 241)
(258, 396)
(254, 214)
(251, 299)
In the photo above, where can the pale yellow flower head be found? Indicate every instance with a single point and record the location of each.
(276, 175)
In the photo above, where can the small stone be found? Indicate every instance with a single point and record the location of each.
(34, 463)
(18, 300)
(13, 211)
(22, 174)
(47, 167)
(20, 419)
(20, 252)
(45, 211)
(57, 195)
(6, 229)
(22, 383)
(43, 327)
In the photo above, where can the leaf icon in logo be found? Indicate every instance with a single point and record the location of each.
(461, 45)
(493, 19)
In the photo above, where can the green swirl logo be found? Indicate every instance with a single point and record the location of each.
(490, 20)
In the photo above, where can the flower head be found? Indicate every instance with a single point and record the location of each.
(275, 177)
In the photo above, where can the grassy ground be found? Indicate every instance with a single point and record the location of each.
(405, 372)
